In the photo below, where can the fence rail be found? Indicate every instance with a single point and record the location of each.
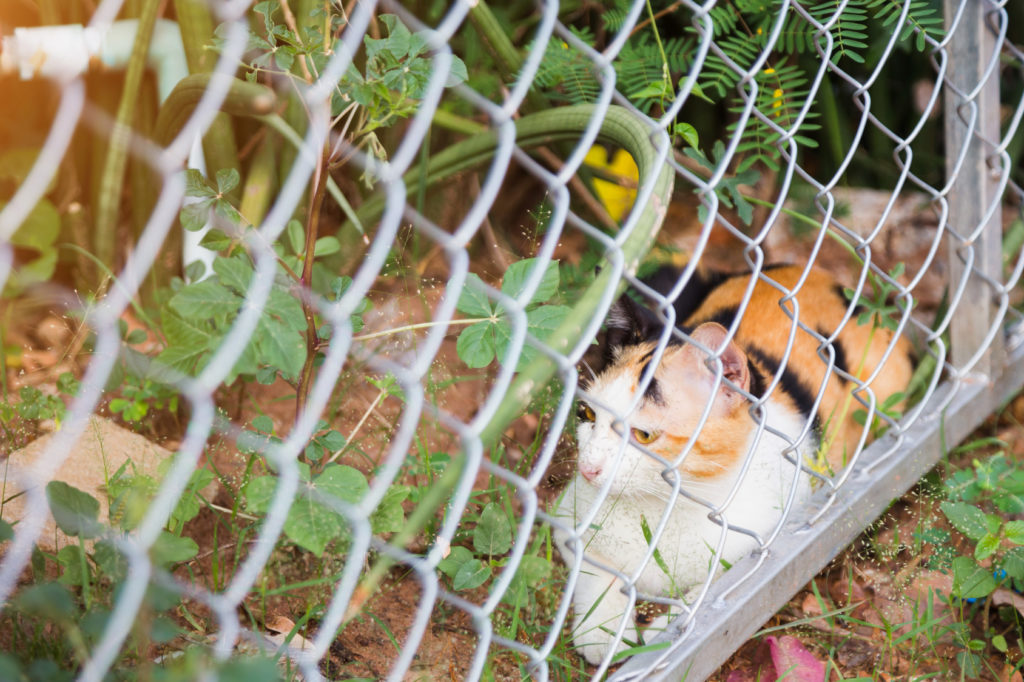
(426, 483)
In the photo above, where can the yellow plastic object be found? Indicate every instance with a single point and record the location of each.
(616, 199)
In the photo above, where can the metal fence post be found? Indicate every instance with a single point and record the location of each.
(975, 225)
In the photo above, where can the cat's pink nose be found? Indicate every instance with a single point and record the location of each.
(590, 472)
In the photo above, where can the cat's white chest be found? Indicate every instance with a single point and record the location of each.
(691, 538)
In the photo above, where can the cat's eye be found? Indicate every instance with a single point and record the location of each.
(585, 413)
(645, 437)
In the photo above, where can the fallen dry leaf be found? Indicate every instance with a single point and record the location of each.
(1004, 596)
(793, 661)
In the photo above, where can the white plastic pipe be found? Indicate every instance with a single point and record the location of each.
(62, 53)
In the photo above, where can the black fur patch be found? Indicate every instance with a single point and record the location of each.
(840, 352)
(790, 383)
(758, 383)
(724, 317)
(653, 390)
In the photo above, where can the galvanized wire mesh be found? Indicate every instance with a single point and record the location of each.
(970, 339)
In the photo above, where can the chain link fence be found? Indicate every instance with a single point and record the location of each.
(374, 365)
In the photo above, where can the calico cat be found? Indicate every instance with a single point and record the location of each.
(662, 422)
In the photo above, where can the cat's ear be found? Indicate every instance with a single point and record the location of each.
(734, 361)
(630, 323)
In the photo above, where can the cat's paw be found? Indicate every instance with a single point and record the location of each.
(593, 646)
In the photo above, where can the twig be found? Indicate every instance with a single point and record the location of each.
(658, 15)
(316, 202)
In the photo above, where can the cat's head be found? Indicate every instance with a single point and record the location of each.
(667, 415)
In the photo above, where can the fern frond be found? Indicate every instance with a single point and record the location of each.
(849, 32)
(567, 75)
(640, 65)
(923, 19)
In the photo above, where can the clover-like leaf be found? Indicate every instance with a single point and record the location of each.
(476, 345)
(473, 301)
(514, 282)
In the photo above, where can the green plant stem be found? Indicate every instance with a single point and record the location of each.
(84, 567)
(807, 220)
(116, 161)
(459, 124)
(355, 430)
(242, 99)
(281, 126)
(422, 325)
(260, 181)
(506, 56)
(316, 202)
(666, 75)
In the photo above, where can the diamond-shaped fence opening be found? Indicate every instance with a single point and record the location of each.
(412, 341)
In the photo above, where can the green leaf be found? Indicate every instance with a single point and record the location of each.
(543, 320)
(36, 236)
(110, 561)
(196, 185)
(688, 133)
(259, 492)
(1013, 531)
(515, 278)
(966, 518)
(389, 516)
(10, 669)
(72, 562)
(493, 533)
(458, 74)
(451, 564)
(172, 549)
(235, 272)
(187, 342)
(311, 525)
(532, 571)
(75, 512)
(205, 300)
(6, 531)
(971, 581)
(473, 301)
(987, 546)
(343, 482)
(249, 669)
(476, 345)
(286, 308)
(215, 240)
(296, 237)
(1013, 563)
(325, 246)
(189, 503)
(50, 601)
(280, 347)
(195, 215)
(470, 575)
(227, 180)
